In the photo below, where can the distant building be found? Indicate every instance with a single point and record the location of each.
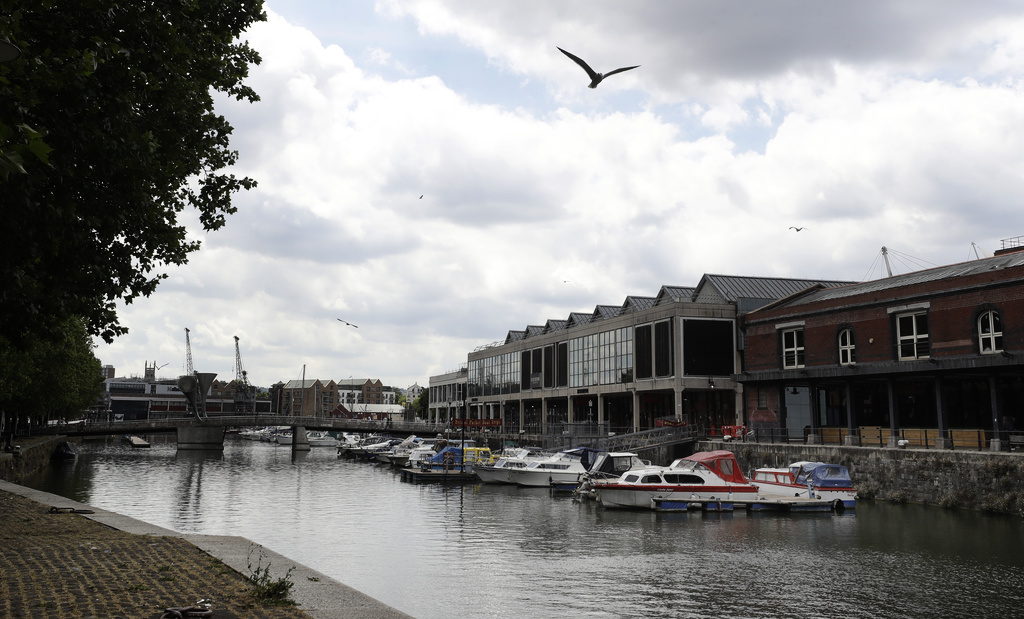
(447, 395)
(149, 397)
(307, 398)
(412, 392)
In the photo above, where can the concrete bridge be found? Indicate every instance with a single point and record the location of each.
(208, 433)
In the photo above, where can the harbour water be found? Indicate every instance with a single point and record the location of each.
(503, 552)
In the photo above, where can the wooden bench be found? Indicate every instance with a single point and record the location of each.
(832, 436)
(916, 437)
(873, 436)
(968, 439)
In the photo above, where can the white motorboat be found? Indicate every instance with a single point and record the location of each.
(814, 480)
(565, 467)
(321, 438)
(398, 455)
(252, 434)
(499, 472)
(706, 475)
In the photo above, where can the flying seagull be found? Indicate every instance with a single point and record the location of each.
(595, 77)
(797, 229)
(348, 323)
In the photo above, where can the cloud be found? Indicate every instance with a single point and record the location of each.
(877, 124)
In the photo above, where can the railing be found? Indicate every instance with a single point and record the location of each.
(876, 436)
(577, 434)
(646, 439)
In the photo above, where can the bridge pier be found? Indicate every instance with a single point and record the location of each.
(200, 437)
(300, 442)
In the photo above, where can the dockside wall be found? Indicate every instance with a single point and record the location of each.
(32, 455)
(988, 481)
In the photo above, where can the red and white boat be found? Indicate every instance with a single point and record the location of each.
(706, 475)
(807, 480)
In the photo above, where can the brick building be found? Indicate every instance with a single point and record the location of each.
(933, 357)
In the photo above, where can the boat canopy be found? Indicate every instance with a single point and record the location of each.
(720, 462)
(587, 455)
(822, 475)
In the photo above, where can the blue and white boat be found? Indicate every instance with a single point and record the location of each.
(807, 480)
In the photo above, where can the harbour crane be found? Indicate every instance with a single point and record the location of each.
(243, 390)
(189, 370)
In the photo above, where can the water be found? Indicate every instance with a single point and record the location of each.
(493, 551)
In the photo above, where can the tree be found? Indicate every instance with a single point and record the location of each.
(420, 405)
(107, 133)
(49, 378)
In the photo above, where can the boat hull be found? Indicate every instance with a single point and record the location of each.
(532, 478)
(622, 496)
(493, 475)
(847, 496)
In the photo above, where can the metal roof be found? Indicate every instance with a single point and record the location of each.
(515, 336)
(731, 288)
(578, 318)
(746, 292)
(638, 304)
(604, 312)
(674, 294)
(307, 384)
(961, 269)
(555, 325)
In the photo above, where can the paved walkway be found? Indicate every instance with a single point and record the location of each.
(68, 565)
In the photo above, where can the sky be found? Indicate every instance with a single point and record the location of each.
(437, 173)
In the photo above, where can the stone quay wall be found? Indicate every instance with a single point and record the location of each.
(980, 480)
(34, 454)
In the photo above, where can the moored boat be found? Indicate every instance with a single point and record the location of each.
(705, 475)
(562, 468)
(607, 467)
(398, 455)
(66, 450)
(321, 438)
(136, 441)
(500, 471)
(813, 480)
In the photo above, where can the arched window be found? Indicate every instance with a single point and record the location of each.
(847, 349)
(990, 332)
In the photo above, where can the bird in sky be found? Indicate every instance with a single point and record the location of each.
(421, 197)
(595, 77)
(797, 229)
(348, 323)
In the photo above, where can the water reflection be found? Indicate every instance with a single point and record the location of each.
(433, 551)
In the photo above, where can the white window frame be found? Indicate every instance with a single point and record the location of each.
(793, 351)
(847, 349)
(912, 337)
(990, 338)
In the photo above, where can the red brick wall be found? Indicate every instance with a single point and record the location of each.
(952, 307)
